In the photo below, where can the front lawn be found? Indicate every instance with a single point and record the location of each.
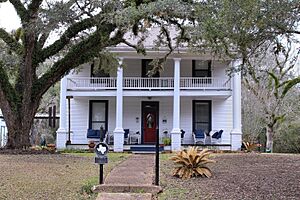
(53, 176)
(237, 176)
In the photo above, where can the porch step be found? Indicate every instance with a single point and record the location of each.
(145, 149)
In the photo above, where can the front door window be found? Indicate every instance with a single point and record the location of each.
(150, 120)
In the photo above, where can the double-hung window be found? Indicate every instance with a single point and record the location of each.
(202, 69)
(202, 115)
(98, 115)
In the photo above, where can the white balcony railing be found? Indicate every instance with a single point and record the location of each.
(205, 83)
(91, 83)
(138, 83)
(148, 83)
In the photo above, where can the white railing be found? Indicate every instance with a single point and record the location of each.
(91, 83)
(148, 83)
(137, 83)
(205, 83)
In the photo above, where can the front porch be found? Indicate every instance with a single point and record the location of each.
(94, 112)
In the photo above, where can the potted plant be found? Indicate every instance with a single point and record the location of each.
(91, 145)
(166, 142)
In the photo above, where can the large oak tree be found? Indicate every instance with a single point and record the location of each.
(81, 29)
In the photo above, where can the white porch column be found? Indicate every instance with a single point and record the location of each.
(119, 132)
(236, 133)
(176, 133)
(62, 133)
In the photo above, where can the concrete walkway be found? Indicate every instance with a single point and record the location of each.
(131, 179)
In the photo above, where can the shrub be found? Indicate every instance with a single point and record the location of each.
(190, 163)
(250, 147)
(288, 139)
(166, 141)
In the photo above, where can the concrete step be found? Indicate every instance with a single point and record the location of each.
(124, 196)
(116, 188)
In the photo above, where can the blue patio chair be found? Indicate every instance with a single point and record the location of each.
(199, 136)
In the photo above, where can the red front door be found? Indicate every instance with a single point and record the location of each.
(150, 121)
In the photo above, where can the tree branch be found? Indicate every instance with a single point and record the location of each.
(79, 54)
(70, 33)
(34, 6)
(8, 95)
(21, 10)
(11, 42)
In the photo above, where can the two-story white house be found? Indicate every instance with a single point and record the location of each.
(192, 92)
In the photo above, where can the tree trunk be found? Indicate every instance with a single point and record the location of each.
(269, 134)
(19, 126)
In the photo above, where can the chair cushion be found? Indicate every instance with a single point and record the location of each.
(126, 133)
(93, 133)
(215, 135)
(199, 134)
(220, 134)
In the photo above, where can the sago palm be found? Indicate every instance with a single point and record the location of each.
(190, 163)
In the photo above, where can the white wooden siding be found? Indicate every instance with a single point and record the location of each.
(221, 115)
(219, 69)
(133, 68)
(80, 117)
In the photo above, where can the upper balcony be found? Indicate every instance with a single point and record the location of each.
(139, 83)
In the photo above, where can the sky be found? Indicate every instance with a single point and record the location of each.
(8, 11)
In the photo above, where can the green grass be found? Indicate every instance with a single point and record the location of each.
(113, 160)
(165, 156)
(174, 192)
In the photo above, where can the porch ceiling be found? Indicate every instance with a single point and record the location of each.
(147, 93)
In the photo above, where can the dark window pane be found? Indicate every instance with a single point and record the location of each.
(198, 73)
(98, 111)
(98, 115)
(201, 64)
(146, 68)
(202, 116)
(201, 68)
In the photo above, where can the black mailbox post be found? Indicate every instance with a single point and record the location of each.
(101, 150)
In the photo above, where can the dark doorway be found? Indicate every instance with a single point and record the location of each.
(150, 119)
